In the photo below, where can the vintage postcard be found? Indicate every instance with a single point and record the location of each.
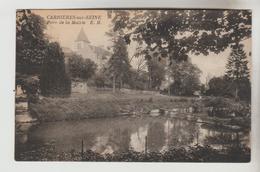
(135, 85)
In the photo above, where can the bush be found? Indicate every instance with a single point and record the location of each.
(224, 107)
(30, 84)
(190, 154)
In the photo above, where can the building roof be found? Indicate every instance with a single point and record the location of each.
(82, 36)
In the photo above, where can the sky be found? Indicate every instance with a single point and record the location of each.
(64, 25)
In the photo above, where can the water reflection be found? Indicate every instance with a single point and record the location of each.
(120, 140)
(138, 139)
(182, 133)
(155, 137)
(106, 136)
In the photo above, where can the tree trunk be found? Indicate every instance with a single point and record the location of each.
(114, 83)
(121, 83)
(150, 82)
(236, 93)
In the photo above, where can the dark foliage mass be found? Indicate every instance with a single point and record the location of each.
(236, 82)
(80, 67)
(30, 42)
(219, 86)
(156, 71)
(36, 56)
(238, 74)
(53, 77)
(118, 64)
(30, 84)
(190, 154)
(175, 33)
(186, 78)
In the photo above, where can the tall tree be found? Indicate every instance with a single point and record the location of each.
(31, 43)
(185, 78)
(30, 52)
(236, 69)
(53, 78)
(118, 64)
(156, 71)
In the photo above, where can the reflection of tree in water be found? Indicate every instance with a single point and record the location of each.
(182, 133)
(155, 137)
(224, 139)
(22, 131)
(119, 140)
(23, 140)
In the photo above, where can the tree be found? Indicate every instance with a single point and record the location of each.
(139, 79)
(80, 67)
(185, 78)
(176, 33)
(218, 86)
(100, 80)
(156, 71)
(118, 64)
(139, 75)
(36, 56)
(53, 78)
(237, 70)
(31, 43)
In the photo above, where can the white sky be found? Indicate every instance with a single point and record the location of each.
(65, 34)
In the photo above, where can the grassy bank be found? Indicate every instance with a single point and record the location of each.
(80, 106)
(108, 104)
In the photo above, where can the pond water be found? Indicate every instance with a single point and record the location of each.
(108, 135)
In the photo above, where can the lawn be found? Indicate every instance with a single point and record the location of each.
(108, 104)
(103, 104)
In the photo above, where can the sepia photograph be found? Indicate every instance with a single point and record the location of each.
(133, 85)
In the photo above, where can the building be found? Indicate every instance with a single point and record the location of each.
(83, 46)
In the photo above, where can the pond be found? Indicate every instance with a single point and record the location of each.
(108, 135)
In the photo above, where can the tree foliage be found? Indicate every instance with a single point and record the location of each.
(219, 86)
(139, 80)
(118, 64)
(237, 68)
(53, 78)
(176, 33)
(31, 42)
(223, 86)
(30, 84)
(156, 71)
(237, 72)
(35, 55)
(186, 78)
(80, 67)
